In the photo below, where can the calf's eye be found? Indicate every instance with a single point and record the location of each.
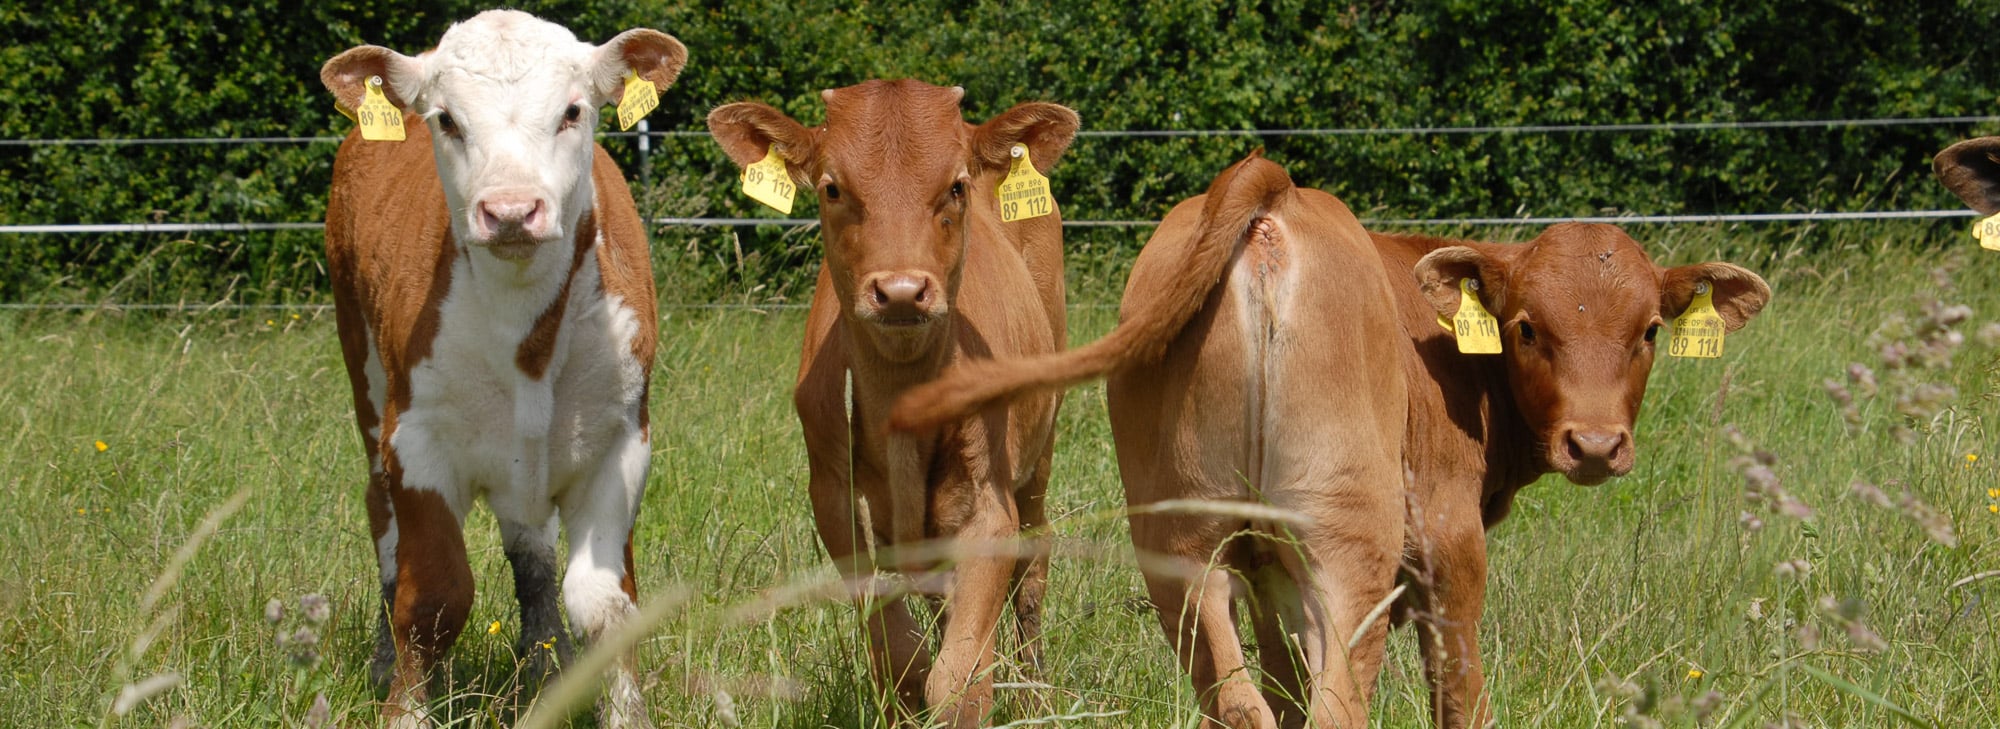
(573, 113)
(958, 191)
(1527, 333)
(448, 124)
(1651, 332)
(832, 192)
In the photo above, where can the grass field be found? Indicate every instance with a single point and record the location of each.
(1631, 600)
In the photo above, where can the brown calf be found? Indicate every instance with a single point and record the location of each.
(1248, 367)
(494, 295)
(920, 273)
(1579, 309)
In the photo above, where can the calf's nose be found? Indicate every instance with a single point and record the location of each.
(507, 215)
(901, 297)
(1595, 445)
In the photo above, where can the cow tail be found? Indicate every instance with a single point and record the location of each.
(1237, 198)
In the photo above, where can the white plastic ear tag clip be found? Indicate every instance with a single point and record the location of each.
(1698, 331)
(1024, 194)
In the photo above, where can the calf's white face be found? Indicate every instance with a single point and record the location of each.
(511, 102)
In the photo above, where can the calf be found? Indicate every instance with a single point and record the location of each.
(920, 273)
(1248, 367)
(1579, 309)
(494, 296)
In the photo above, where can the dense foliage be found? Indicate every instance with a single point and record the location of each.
(243, 69)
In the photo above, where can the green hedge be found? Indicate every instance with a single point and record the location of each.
(215, 69)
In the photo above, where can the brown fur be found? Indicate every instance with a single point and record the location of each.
(883, 166)
(1246, 368)
(1971, 170)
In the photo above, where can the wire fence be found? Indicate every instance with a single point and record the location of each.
(644, 135)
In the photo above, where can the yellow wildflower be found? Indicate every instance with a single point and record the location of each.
(269, 323)
(1971, 458)
(493, 629)
(81, 512)
(549, 644)
(1694, 673)
(1993, 493)
(1993, 508)
(295, 317)
(102, 447)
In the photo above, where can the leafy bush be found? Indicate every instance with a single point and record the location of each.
(206, 69)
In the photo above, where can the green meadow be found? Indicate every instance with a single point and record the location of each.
(170, 475)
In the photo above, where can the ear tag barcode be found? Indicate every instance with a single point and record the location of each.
(1987, 230)
(1025, 192)
(380, 120)
(1698, 331)
(641, 97)
(768, 182)
(1477, 331)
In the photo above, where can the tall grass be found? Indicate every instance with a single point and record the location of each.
(1630, 601)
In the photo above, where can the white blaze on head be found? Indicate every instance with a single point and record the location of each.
(511, 102)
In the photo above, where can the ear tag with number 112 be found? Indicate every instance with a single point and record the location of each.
(1025, 192)
(1477, 331)
(1698, 331)
(380, 120)
(641, 97)
(1987, 230)
(768, 182)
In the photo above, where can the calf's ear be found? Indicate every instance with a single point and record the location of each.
(347, 74)
(747, 130)
(1047, 129)
(1738, 293)
(1439, 272)
(655, 56)
(1971, 170)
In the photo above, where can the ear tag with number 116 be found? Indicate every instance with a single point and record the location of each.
(380, 120)
(1698, 331)
(768, 182)
(641, 97)
(1025, 192)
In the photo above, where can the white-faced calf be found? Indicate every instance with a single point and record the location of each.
(495, 304)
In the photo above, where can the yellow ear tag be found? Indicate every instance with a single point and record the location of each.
(380, 120)
(1698, 331)
(1025, 192)
(641, 97)
(1987, 230)
(1477, 331)
(768, 182)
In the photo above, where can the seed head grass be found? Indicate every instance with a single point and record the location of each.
(1867, 594)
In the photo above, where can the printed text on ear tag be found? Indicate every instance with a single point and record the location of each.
(1477, 331)
(1025, 192)
(1698, 331)
(380, 120)
(1987, 230)
(641, 97)
(769, 183)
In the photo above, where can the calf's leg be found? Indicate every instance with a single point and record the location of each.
(1448, 592)
(531, 552)
(1180, 557)
(960, 685)
(433, 596)
(598, 585)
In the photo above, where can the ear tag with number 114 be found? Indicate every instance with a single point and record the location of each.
(1025, 192)
(1698, 331)
(1987, 230)
(768, 182)
(1477, 331)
